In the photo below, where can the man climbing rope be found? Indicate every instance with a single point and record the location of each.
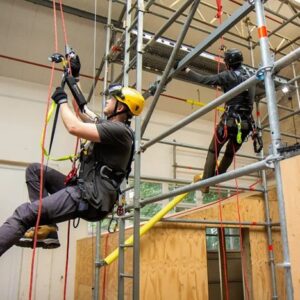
(104, 162)
(236, 122)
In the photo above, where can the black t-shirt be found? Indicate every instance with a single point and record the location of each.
(113, 151)
(114, 148)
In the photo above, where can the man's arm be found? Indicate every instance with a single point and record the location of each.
(72, 123)
(80, 105)
(78, 128)
(205, 79)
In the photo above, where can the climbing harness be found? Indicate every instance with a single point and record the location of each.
(112, 224)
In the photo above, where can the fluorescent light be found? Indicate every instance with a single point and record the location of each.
(285, 89)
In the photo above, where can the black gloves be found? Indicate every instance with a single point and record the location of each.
(59, 96)
(75, 65)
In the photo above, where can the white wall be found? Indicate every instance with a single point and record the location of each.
(22, 113)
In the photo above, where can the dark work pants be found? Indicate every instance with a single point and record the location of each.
(231, 148)
(59, 204)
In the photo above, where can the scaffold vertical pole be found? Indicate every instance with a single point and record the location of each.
(137, 161)
(97, 260)
(121, 262)
(296, 85)
(265, 187)
(107, 49)
(266, 70)
(98, 228)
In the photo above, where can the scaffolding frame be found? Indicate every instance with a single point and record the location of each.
(272, 161)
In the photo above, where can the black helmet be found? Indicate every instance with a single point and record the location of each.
(233, 57)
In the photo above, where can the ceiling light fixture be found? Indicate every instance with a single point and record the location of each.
(285, 89)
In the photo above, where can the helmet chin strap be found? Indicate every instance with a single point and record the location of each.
(115, 112)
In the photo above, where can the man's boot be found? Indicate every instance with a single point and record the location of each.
(47, 237)
(197, 178)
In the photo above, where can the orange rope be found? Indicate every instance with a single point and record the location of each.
(67, 261)
(216, 142)
(43, 157)
(240, 232)
(76, 149)
(63, 22)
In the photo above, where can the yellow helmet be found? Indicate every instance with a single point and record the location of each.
(129, 96)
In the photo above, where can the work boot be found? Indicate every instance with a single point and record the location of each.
(197, 178)
(47, 237)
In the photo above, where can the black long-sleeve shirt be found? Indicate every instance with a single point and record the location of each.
(227, 80)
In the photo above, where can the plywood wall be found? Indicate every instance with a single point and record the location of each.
(173, 255)
(291, 190)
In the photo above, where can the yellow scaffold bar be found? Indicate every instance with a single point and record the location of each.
(114, 255)
(199, 103)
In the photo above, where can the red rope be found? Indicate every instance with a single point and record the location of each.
(216, 142)
(67, 261)
(42, 159)
(76, 148)
(63, 22)
(240, 232)
(219, 9)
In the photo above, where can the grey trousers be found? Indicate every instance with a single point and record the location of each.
(215, 147)
(59, 204)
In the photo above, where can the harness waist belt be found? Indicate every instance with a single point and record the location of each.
(109, 174)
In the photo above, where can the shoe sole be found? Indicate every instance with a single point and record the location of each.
(45, 244)
(50, 243)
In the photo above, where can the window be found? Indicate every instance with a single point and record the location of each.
(188, 202)
(149, 189)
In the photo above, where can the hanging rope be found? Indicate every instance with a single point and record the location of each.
(240, 231)
(216, 142)
(76, 147)
(48, 114)
(42, 157)
(225, 133)
(95, 46)
(67, 261)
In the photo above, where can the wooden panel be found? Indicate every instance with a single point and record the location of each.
(173, 263)
(261, 278)
(251, 207)
(277, 246)
(291, 189)
(173, 256)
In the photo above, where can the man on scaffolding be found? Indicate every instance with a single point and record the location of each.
(104, 163)
(236, 122)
